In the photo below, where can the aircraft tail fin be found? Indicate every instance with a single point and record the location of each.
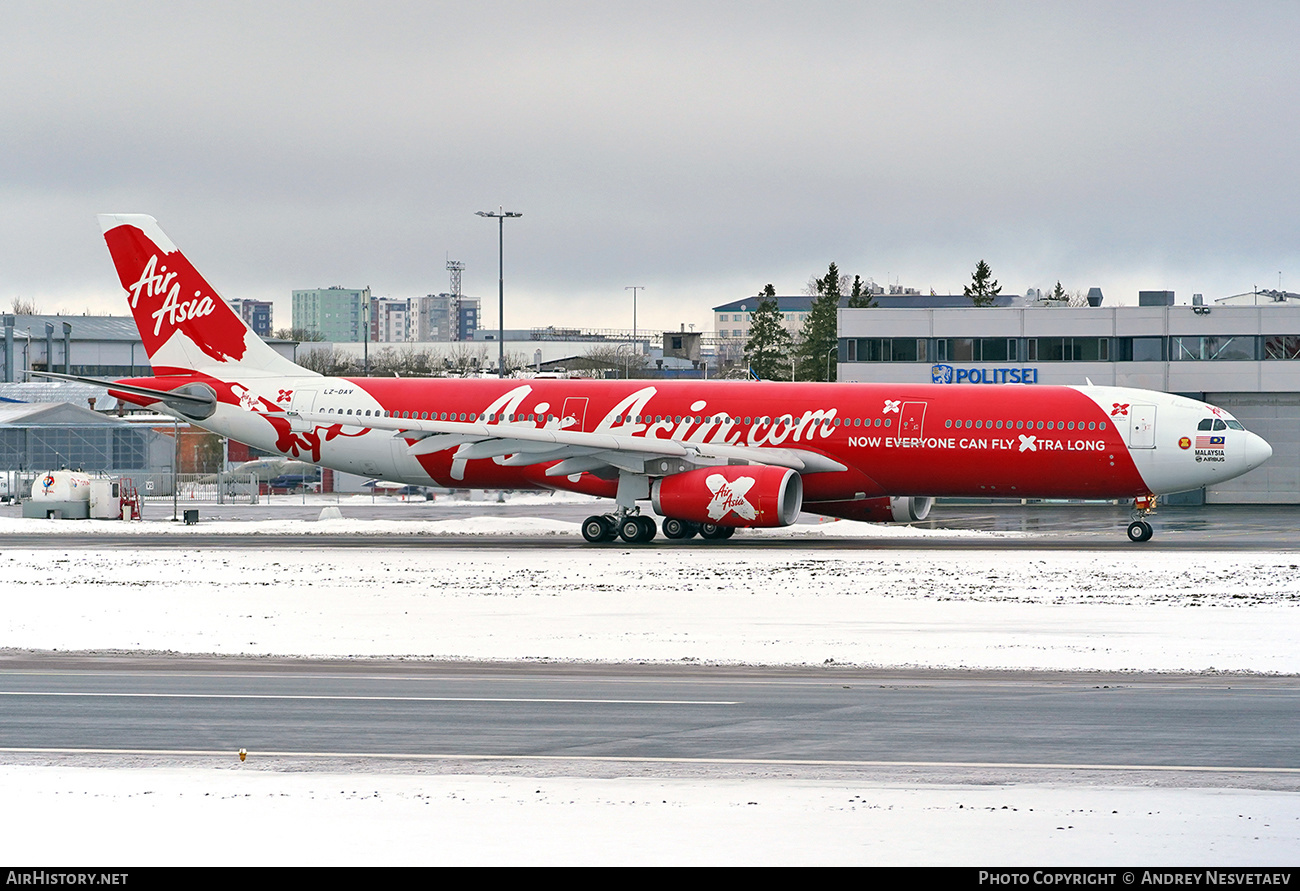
(183, 321)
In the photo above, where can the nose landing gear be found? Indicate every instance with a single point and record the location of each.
(1140, 530)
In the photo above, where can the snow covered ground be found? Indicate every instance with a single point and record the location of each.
(440, 526)
(229, 816)
(1022, 609)
(1139, 610)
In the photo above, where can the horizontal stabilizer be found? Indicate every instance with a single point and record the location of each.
(192, 401)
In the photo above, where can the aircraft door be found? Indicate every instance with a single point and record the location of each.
(911, 420)
(575, 408)
(301, 401)
(1142, 427)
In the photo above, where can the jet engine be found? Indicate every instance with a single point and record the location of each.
(733, 495)
(887, 509)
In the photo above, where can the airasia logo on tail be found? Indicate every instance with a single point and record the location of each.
(154, 281)
(167, 295)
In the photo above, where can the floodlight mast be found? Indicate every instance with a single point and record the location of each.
(500, 215)
(635, 344)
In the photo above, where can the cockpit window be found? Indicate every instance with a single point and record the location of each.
(1219, 425)
(1235, 425)
(1206, 424)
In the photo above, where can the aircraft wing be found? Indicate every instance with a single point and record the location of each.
(577, 451)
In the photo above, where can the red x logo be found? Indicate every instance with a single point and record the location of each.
(1119, 409)
(284, 396)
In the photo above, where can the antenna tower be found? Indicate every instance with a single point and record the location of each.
(455, 267)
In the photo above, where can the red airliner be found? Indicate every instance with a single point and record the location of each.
(710, 456)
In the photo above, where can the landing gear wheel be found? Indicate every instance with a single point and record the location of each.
(678, 530)
(637, 530)
(595, 529)
(714, 532)
(1139, 531)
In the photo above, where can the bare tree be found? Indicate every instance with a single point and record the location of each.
(466, 358)
(615, 358)
(516, 361)
(302, 335)
(24, 306)
(329, 363)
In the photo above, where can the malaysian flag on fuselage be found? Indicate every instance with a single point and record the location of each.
(1209, 442)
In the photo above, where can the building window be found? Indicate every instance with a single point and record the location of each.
(1068, 349)
(884, 349)
(1139, 349)
(1282, 346)
(1239, 348)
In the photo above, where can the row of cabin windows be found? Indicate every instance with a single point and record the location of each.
(1025, 425)
(1229, 347)
(621, 419)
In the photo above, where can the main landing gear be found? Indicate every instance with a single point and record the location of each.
(637, 529)
(632, 528)
(1140, 530)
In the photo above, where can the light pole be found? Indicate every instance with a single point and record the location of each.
(634, 289)
(500, 215)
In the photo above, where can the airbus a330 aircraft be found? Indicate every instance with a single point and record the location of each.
(710, 456)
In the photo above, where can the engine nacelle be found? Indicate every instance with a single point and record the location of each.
(889, 509)
(733, 495)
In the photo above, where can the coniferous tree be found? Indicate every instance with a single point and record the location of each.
(820, 335)
(983, 288)
(769, 343)
(860, 297)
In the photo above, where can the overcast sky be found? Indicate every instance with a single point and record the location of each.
(699, 149)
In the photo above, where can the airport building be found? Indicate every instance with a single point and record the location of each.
(36, 437)
(1243, 358)
(731, 320)
(93, 346)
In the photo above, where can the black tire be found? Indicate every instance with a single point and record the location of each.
(595, 529)
(649, 528)
(1139, 531)
(632, 530)
(714, 532)
(677, 529)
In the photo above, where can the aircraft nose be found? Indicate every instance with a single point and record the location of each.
(1257, 450)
